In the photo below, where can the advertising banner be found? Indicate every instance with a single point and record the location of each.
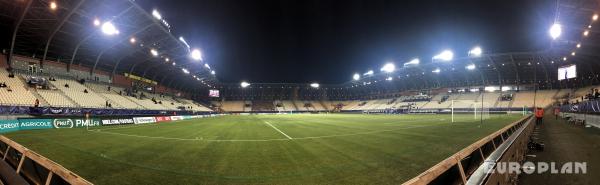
(121, 121)
(77, 122)
(163, 118)
(9, 125)
(174, 118)
(29, 124)
(142, 120)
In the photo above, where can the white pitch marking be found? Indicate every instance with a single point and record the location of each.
(278, 130)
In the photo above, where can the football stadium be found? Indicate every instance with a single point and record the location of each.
(299, 92)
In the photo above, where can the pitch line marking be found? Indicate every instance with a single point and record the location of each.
(278, 130)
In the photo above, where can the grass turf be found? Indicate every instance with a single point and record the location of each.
(324, 149)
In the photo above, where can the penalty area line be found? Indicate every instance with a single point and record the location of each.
(278, 130)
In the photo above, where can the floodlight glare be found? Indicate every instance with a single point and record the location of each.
(555, 30)
(573, 53)
(579, 45)
(109, 29)
(389, 78)
(154, 52)
(207, 66)
(445, 55)
(213, 72)
(564, 58)
(595, 17)
(53, 5)
(471, 67)
(185, 71)
(370, 72)
(196, 55)
(174, 63)
(156, 14)
(244, 84)
(388, 68)
(132, 40)
(437, 70)
(314, 85)
(96, 22)
(167, 59)
(356, 76)
(586, 32)
(476, 51)
(415, 61)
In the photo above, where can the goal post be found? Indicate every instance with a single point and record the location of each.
(469, 110)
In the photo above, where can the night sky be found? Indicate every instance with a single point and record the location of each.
(294, 41)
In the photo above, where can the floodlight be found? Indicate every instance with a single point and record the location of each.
(167, 59)
(586, 32)
(213, 72)
(244, 84)
(132, 40)
(196, 54)
(445, 55)
(579, 45)
(388, 68)
(53, 5)
(356, 76)
(207, 66)
(314, 85)
(476, 51)
(437, 70)
(471, 67)
(96, 22)
(573, 53)
(174, 63)
(595, 17)
(156, 14)
(564, 58)
(389, 78)
(185, 71)
(370, 72)
(412, 62)
(109, 29)
(154, 52)
(555, 30)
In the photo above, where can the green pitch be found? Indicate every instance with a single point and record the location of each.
(265, 149)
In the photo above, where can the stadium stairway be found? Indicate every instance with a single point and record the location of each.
(43, 101)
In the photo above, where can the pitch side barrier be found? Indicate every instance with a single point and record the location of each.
(474, 164)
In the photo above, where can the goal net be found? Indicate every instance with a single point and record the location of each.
(469, 110)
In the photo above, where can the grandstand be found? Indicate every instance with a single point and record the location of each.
(113, 92)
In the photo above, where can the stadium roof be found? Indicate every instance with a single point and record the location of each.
(76, 32)
(69, 34)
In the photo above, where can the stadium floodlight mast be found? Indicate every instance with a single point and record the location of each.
(388, 68)
(314, 85)
(109, 29)
(475, 52)
(244, 84)
(555, 31)
(356, 76)
(154, 52)
(471, 67)
(445, 55)
(156, 14)
(369, 73)
(196, 54)
(412, 62)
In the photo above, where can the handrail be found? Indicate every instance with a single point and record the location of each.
(53, 167)
(435, 171)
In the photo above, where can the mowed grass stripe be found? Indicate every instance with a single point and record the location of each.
(389, 157)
